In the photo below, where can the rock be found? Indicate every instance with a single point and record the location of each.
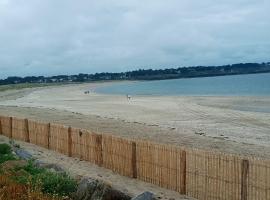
(100, 192)
(144, 196)
(11, 164)
(106, 192)
(50, 166)
(90, 189)
(113, 194)
(23, 154)
(38, 163)
(78, 178)
(86, 188)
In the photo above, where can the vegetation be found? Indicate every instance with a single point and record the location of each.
(32, 182)
(59, 184)
(13, 86)
(10, 190)
(142, 74)
(5, 149)
(5, 153)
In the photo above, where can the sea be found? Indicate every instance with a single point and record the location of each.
(233, 85)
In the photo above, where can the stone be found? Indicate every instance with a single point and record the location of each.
(51, 167)
(23, 154)
(106, 192)
(144, 196)
(86, 188)
(91, 189)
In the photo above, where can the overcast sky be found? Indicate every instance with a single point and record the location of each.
(48, 37)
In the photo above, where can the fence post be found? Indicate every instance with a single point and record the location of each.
(49, 135)
(81, 154)
(10, 126)
(1, 129)
(99, 150)
(69, 142)
(134, 160)
(244, 175)
(26, 125)
(183, 173)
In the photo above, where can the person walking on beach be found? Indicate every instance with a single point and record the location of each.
(128, 97)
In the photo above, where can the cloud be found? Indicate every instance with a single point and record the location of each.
(46, 37)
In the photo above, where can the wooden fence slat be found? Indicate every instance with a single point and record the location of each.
(183, 173)
(99, 155)
(1, 128)
(10, 125)
(49, 135)
(26, 124)
(69, 142)
(134, 160)
(244, 175)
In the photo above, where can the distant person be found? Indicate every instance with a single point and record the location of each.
(128, 97)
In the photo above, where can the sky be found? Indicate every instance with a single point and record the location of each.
(50, 37)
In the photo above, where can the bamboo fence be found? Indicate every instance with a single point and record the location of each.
(200, 174)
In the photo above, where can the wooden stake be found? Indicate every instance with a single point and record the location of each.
(244, 175)
(1, 128)
(49, 135)
(99, 155)
(134, 160)
(27, 137)
(69, 142)
(183, 173)
(10, 125)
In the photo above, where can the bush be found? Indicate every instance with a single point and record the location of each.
(6, 153)
(59, 184)
(39, 179)
(5, 149)
(46, 181)
(32, 169)
(6, 157)
(12, 190)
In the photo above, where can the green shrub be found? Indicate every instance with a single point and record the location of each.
(32, 169)
(6, 157)
(5, 149)
(59, 184)
(54, 183)
(6, 153)
(48, 182)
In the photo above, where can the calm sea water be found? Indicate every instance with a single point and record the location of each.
(251, 84)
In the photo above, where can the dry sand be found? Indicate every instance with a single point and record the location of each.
(228, 124)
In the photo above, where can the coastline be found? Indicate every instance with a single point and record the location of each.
(196, 121)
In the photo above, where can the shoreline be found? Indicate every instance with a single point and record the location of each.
(196, 121)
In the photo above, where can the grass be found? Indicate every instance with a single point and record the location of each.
(27, 85)
(6, 153)
(49, 182)
(10, 190)
(37, 180)
(5, 149)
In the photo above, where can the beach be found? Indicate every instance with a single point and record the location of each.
(231, 124)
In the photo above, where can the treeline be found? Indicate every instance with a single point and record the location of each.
(148, 74)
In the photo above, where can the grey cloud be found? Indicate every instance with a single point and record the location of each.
(64, 36)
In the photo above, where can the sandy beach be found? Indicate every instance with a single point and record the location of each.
(239, 125)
